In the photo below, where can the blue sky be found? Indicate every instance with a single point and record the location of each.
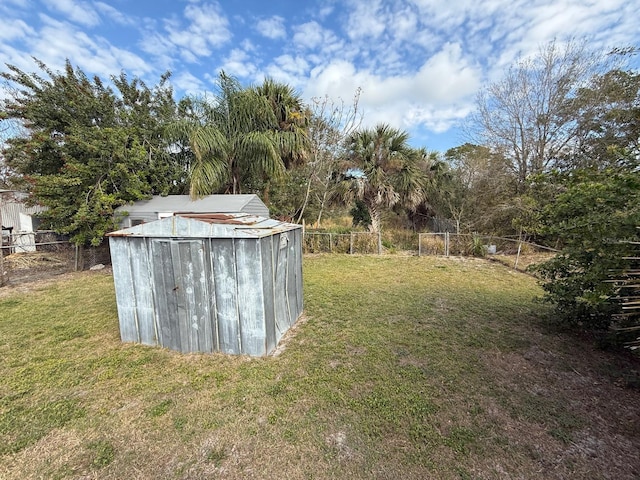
(419, 63)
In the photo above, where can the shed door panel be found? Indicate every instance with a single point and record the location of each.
(280, 288)
(179, 278)
(142, 290)
(250, 297)
(268, 280)
(224, 271)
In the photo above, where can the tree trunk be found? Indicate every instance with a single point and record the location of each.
(265, 192)
(322, 205)
(306, 201)
(376, 221)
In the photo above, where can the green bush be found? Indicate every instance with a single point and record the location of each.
(593, 218)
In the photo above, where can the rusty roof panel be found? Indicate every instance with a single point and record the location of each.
(223, 218)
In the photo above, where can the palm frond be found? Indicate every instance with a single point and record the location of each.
(208, 176)
(257, 152)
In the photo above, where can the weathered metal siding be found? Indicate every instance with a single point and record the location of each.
(10, 211)
(226, 296)
(135, 309)
(266, 247)
(232, 295)
(296, 305)
(182, 297)
(255, 207)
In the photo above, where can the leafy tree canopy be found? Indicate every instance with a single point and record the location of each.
(88, 148)
(242, 138)
(590, 206)
(386, 171)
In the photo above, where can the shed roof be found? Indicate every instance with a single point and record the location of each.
(185, 204)
(230, 225)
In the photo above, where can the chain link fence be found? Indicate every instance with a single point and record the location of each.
(41, 254)
(351, 243)
(514, 252)
(34, 255)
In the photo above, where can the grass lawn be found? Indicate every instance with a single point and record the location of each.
(402, 368)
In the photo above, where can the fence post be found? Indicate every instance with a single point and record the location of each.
(379, 243)
(330, 243)
(515, 266)
(350, 243)
(3, 279)
(419, 244)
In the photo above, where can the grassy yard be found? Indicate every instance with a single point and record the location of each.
(403, 368)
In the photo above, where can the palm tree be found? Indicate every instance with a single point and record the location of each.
(238, 136)
(384, 171)
(288, 124)
(291, 119)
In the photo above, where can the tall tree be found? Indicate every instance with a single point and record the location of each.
(481, 192)
(384, 171)
(438, 182)
(590, 206)
(527, 116)
(243, 137)
(608, 120)
(331, 123)
(86, 149)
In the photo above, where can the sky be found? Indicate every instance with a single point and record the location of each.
(417, 63)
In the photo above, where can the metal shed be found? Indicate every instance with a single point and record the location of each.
(158, 207)
(227, 283)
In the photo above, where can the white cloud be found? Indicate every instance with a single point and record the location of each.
(238, 64)
(324, 11)
(419, 62)
(272, 27)
(296, 65)
(208, 29)
(289, 69)
(10, 8)
(78, 12)
(11, 30)
(312, 35)
(155, 44)
(366, 20)
(15, 57)
(57, 41)
(437, 95)
(403, 25)
(188, 83)
(114, 14)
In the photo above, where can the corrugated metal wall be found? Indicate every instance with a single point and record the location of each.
(232, 295)
(11, 210)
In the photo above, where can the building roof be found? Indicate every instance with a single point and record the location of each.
(231, 225)
(184, 204)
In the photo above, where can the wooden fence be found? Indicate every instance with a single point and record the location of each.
(626, 323)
